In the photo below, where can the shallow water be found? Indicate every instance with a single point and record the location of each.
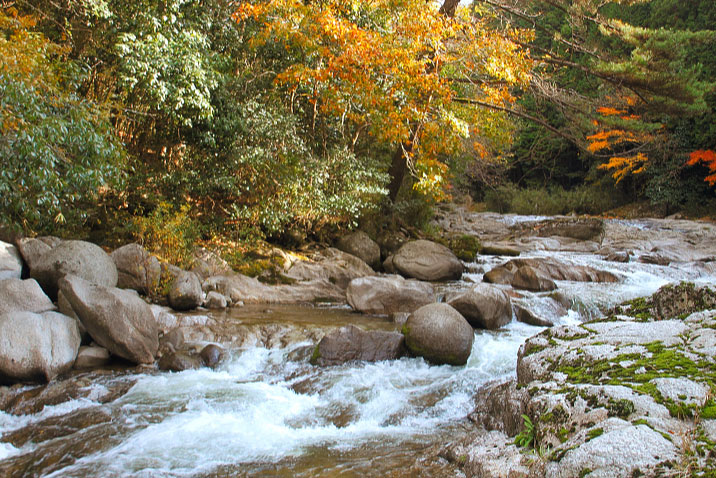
(262, 414)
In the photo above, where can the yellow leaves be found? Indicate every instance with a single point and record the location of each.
(622, 166)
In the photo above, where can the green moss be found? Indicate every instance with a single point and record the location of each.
(464, 246)
(316, 355)
(584, 472)
(594, 433)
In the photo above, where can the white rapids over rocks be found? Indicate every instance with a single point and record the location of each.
(261, 414)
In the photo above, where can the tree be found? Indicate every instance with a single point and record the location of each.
(428, 80)
(57, 148)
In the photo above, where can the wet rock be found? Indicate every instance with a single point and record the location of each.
(550, 269)
(136, 268)
(352, 343)
(484, 306)
(79, 258)
(37, 347)
(243, 289)
(362, 246)
(23, 295)
(528, 278)
(185, 292)
(332, 265)
(212, 355)
(622, 256)
(214, 300)
(388, 294)
(31, 250)
(499, 250)
(438, 333)
(178, 362)
(500, 406)
(56, 427)
(90, 357)
(656, 259)
(116, 319)
(10, 262)
(542, 312)
(426, 260)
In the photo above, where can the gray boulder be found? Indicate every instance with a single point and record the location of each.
(214, 300)
(82, 259)
(10, 262)
(118, 320)
(37, 347)
(136, 268)
(212, 355)
(178, 362)
(529, 278)
(90, 357)
(542, 312)
(484, 306)
(207, 264)
(23, 296)
(426, 260)
(388, 294)
(362, 246)
(331, 265)
(550, 269)
(352, 343)
(185, 292)
(32, 249)
(438, 333)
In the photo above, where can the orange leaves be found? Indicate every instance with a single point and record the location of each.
(625, 165)
(388, 67)
(708, 158)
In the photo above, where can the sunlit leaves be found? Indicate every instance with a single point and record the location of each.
(394, 68)
(708, 159)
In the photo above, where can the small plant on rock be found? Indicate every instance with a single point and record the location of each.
(526, 438)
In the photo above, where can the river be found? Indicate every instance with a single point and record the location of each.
(266, 412)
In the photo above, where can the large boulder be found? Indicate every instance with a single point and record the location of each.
(82, 259)
(23, 296)
(387, 295)
(37, 347)
(484, 306)
(352, 343)
(426, 260)
(32, 250)
(185, 292)
(438, 333)
(550, 269)
(529, 278)
(362, 246)
(118, 320)
(331, 265)
(10, 262)
(136, 268)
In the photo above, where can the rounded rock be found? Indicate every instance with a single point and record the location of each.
(438, 333)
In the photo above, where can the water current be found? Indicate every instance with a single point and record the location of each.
(266, 412)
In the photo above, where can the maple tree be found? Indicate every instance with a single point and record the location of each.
(708, 158)
(427, 79)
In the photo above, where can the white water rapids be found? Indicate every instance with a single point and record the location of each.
(262, 414)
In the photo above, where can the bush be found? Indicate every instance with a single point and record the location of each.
(587, 199)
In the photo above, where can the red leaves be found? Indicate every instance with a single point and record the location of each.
(708, 158)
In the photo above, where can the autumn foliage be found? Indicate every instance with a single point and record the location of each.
(708, 159)
(399, 71)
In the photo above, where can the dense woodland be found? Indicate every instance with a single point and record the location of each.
(177, 121)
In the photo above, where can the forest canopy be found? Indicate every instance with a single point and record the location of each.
(284, 119)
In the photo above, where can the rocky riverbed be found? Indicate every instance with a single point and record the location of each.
(227, 376)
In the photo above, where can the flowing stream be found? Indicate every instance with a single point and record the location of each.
(266, 412)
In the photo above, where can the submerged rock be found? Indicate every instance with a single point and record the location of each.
(438, 333)
(351, 343)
